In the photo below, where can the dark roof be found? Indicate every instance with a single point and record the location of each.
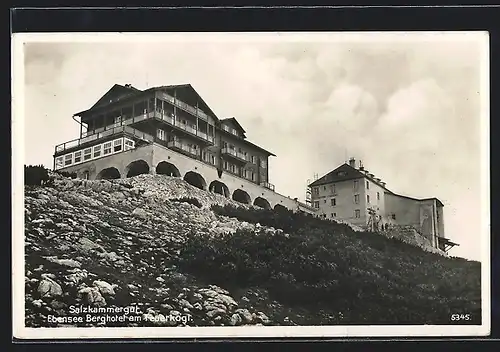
(344, 172)
(235, 122)
(119, 92)
(201, 103)
(116, 93)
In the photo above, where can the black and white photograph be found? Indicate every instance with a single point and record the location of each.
(197, 185)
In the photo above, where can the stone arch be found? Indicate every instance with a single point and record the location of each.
(195, 179)
(110, 173)
(165, 168)
(241, 196)
(262, 202)
(138, 167)
(219, 187)
(279, 207)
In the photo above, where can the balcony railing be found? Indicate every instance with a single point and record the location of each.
(267, 185)
(173, 122)
(100, 135)
(186, 107)
(184, 147)
(234, 153)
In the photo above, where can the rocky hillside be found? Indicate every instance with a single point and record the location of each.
(155, 251)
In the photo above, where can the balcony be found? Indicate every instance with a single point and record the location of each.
(183, 147)
(235, 155)
(267, 185)
(105, 134)
(191, 131)
(195, 111)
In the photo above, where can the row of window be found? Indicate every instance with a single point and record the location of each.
(244, 154)
(315, 190)
(235, 169)
(357, 214)
(95, 152)
(333, 201)
(230, 130)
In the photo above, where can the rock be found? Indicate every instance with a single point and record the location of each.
(92, 296)
(37, 303)
(215, 312)
(49, 288)
(245, 314)
(140, 213)
(64, 262)
(160, 279)
(104, 287)
(235, 320)
(186, 304)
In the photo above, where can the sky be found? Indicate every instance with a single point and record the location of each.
(408, 107)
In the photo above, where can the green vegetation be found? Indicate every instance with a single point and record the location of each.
(335, 273)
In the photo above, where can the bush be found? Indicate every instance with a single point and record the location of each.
(192, 201)
(325, 266)
(36, 175)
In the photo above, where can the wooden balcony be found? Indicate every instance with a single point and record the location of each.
(234, 155)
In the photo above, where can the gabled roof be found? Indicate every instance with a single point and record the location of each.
(236, 124)
(188, 87)
(116, 93)
(119, 92)
(346, 172)
(343, 173)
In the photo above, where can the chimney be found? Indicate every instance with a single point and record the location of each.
(128, 85)
(383, 184)
(352, 162)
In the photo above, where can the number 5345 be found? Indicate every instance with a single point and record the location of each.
(458, 317)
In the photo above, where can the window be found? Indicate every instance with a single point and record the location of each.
(332, 189)
(315, 191)
(118, 120)
(378, 195)
(253, 159)
(357, 213)
(129, 144)
(334, 215)
(341, 173)
(245, 155)
(226, 128)
(316, 205)
(59, 162)
(356, 198)
(86, 175)
(117, 145)
(97, 150)
(87, 154)
(160, 134)
(367, 185)
(245, 172)
(253, 176)
(107, 148)
(225, 165)
(334, 202)
(368, 198)
(232, 168)
(68, 159)
(224, 144)
(212, 159)
(356, 185)
(393, 216)
(263, 164)
(324, 201)
(324, 188)
(78, 157)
